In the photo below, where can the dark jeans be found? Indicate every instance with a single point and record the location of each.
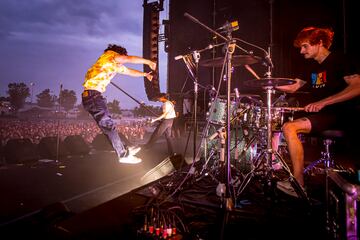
(163, 128)
(95, 104)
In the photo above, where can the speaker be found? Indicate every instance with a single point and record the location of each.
(167, 166)
(76, 145)
(343, 195)
(151, 27)
(101, 142)
(20, 151)
(47, 148)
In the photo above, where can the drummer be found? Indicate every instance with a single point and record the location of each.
(334, 86)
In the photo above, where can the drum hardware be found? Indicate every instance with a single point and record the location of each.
(265, 157)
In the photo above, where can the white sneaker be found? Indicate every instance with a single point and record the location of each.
(134, 150)
(130, 159)
(285, 186)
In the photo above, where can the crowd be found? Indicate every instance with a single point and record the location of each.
(35, 130)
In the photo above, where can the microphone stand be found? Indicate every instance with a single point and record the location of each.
(196, 56)
(140, 103)
(193, 69)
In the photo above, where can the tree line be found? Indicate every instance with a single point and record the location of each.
(19, 92)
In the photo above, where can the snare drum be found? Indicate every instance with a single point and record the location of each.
(279, 116)
(217, 114)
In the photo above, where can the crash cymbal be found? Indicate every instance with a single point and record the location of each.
(270, 82)
(236, 61)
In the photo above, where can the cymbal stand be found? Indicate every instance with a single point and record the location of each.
(224, 134)
(229, 54)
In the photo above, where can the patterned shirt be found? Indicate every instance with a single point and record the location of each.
(101, 73)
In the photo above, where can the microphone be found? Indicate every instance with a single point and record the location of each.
(268, 61)
(196, 52)
(237, 94)
(196, 56)
(210, 46)
(233, 26)
(178, 57)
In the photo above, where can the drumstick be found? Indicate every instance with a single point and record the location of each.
(295, 108)
(291, 108)
(252, 71)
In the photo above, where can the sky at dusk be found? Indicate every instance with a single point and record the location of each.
(53, 42)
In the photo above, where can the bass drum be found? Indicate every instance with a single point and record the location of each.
(243, 151)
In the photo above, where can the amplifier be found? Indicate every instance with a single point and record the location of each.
(342, 202)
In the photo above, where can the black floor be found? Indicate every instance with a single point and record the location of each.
(93, 197)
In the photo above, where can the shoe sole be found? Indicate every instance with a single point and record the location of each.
(130, 160)
(134, 151)
(134, 162)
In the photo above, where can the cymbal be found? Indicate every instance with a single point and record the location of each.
(240, 96)
(236, 61)
(270, 82)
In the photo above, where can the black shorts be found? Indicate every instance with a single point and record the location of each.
(326, 120)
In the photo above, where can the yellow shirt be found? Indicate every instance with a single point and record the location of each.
(101, 73)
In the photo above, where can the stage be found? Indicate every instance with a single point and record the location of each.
(94, 197)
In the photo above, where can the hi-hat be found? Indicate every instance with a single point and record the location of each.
(270, 82)
(236, 61)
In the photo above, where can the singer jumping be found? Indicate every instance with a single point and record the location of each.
(96, 80)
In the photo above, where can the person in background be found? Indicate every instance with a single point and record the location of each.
(97, 78)
(165, 126)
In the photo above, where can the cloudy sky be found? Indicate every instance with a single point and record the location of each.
(54, 42)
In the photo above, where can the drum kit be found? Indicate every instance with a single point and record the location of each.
(237, 139)
(252, 126)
